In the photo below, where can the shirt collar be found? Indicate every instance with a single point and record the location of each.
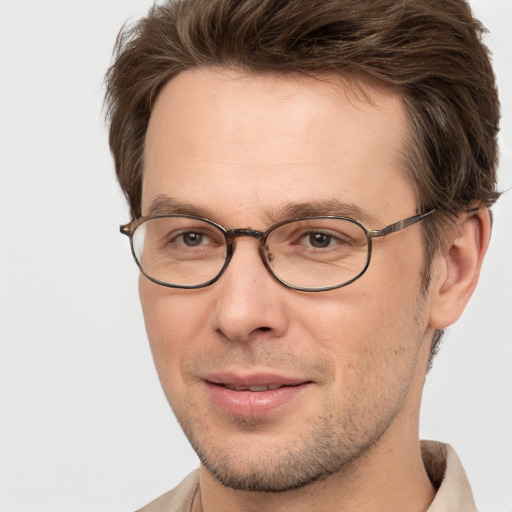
(448, 476)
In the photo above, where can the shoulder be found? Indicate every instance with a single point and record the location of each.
(179, 499)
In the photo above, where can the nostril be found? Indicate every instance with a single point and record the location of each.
(264, 329)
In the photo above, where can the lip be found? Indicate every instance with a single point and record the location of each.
(231, 394)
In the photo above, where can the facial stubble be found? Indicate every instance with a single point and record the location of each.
(326, 444)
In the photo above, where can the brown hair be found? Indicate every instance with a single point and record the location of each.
(431, 51)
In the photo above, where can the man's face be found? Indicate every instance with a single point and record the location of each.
(349, 363)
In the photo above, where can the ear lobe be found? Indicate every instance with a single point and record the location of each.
(457, 267)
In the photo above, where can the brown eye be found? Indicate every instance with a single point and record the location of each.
(319, 240)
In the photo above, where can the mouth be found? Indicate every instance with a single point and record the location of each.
(254, 389)
(254, 395)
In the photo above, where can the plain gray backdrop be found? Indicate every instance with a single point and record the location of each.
(84, 426)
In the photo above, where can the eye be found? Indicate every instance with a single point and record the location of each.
(191, 238)
(194, 239)
(319, 240)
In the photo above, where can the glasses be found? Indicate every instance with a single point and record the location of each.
(309, 254)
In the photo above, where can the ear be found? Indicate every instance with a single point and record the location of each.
(457, 267)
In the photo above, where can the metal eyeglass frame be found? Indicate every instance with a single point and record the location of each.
(231, 234)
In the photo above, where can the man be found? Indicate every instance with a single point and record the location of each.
(310, 185)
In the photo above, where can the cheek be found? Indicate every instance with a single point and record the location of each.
(174, 321)
(371, 329)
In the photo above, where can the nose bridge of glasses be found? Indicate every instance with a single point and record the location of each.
(235, 233)
(232, 234)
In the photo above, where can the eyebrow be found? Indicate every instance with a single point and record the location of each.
(329, 207)
(165, 205)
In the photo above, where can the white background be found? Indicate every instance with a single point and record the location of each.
(83, 422)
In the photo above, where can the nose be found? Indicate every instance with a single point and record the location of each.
(250, 303)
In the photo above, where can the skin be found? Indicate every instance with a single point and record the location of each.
(239, 149)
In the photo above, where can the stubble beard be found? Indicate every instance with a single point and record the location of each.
(329, 443)
(318, 455)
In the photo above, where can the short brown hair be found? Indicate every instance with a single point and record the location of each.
(430, 51)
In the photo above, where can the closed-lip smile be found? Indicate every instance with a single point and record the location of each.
(253, 395)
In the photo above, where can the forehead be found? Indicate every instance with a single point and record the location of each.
(221, 138)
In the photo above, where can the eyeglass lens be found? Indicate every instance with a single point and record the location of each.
(309, 253)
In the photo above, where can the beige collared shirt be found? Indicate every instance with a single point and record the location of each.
(448, 476)
(441, 462)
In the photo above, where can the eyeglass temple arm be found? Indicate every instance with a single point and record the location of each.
(401, 224)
